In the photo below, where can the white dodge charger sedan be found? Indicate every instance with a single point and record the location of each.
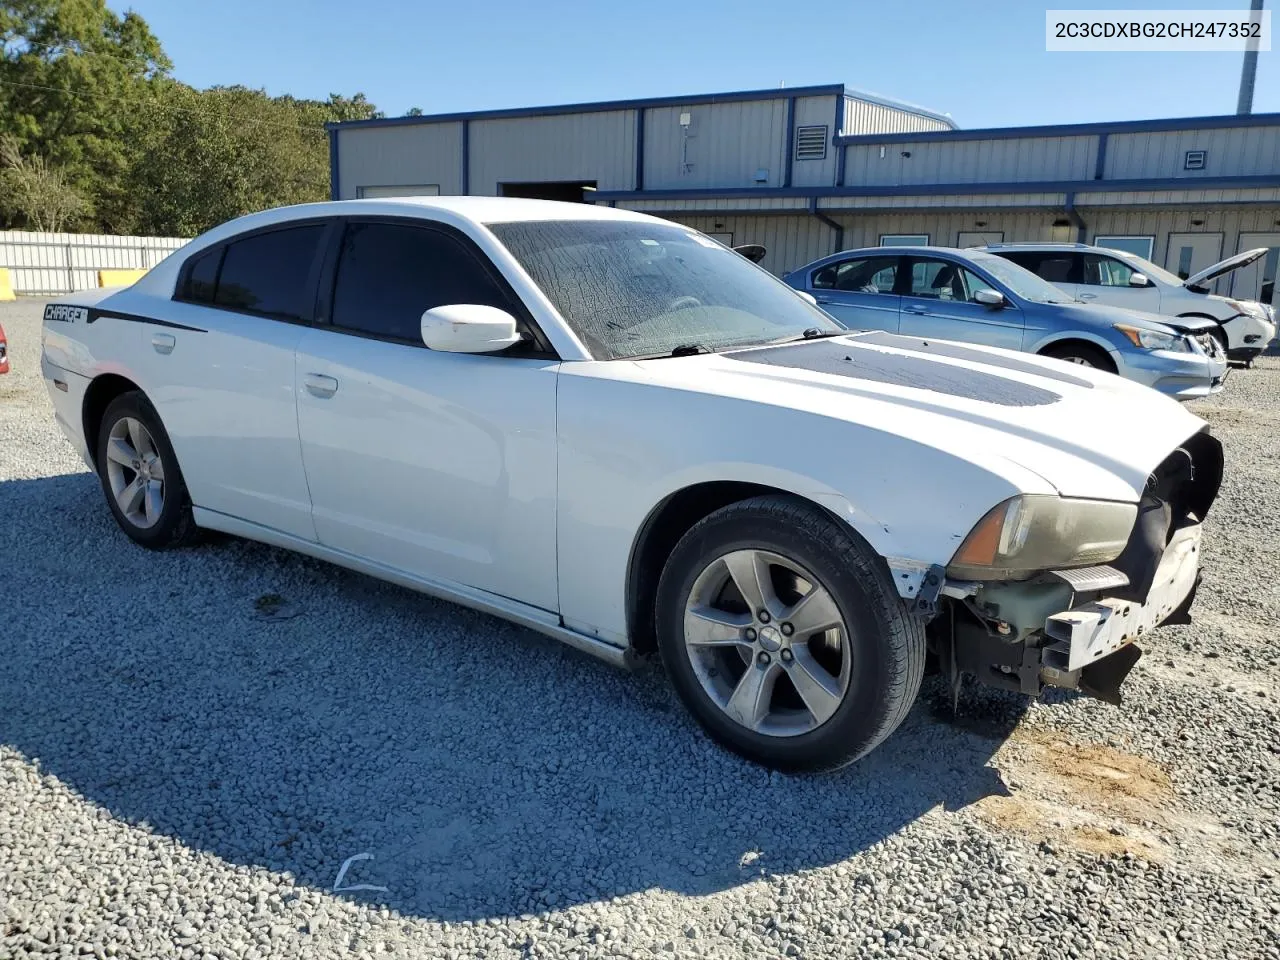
(616, 431)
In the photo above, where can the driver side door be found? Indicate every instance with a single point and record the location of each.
(441, 465)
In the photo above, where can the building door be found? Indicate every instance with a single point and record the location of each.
(978, 238)
(1191, 252)
(1257, 281)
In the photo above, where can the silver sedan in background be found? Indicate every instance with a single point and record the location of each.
(977, 297)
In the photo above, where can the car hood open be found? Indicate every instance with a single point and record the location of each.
(1085, 432)
(1224, 266)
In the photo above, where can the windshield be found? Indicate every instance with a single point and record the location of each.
(1020, 280)
(1148, 268)
(637, 289)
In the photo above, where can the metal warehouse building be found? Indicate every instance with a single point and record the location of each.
(811, 170)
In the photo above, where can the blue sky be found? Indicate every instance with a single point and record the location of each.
(982, 62)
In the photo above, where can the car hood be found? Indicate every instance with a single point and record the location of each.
(1082, 432)
(1101, 315)
(1224, 266)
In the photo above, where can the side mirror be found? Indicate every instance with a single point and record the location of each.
(808, 298)
(468, 328)
(989, 298)
(1139, 280)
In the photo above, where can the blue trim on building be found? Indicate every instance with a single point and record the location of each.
(1074, 129)
(639, 149)
(1082, 230)
(836, 131)
(823, 218)
(335, 192)
(1100, 161)
(791, 141)
(777, 93)
(933, 189)
(466, 158)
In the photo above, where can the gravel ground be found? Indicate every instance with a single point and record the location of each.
(185, 773)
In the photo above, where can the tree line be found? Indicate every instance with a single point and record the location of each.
(97, 136)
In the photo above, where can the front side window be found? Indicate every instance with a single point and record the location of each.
(937, 280)
(863, 275)
(268, 273)
(639, 289)
(390, 274)
(1100, 271)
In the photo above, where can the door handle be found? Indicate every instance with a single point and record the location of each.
(1088, 296)
(163, 342)
(915, 308)
(824, 299)
(318, 385)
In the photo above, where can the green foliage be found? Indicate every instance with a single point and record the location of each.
(90, 110)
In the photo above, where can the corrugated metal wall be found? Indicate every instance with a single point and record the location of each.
(791, 241)
(53, 263)
(971, 161)
(863, 116)
(574, 146)
(410, 155)
(726, 144)
(1229, 152)
(816, 111)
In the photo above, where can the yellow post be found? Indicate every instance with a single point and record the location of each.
(119, 278)
(6, 285)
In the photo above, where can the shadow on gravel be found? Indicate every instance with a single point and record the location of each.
(490, 772)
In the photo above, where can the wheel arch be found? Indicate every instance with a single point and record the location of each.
(1078, 338)
(97, 397)
(666, 523)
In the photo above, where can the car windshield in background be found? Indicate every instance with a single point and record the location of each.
(1021, 280)
(634, 289)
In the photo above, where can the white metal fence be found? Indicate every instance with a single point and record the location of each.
(53, 263)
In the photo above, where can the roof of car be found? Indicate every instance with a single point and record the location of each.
(1032, 245)
(481, 209)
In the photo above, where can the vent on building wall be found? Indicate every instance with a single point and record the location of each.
(1194, 160)
(811, 143)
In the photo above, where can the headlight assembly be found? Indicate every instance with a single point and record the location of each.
(1031, 533)
(1152, 339)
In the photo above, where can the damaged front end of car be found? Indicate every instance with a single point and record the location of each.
(1075, 626)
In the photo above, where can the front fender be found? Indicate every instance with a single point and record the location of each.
(624, 448)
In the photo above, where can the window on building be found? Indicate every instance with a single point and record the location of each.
(863, 275)
(904, 239)
(390, 274)
(411, 190)
(268, 273)
(1139, 246)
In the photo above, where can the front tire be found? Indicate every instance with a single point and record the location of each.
(1082, 354)
(785, 637)
(140, 475)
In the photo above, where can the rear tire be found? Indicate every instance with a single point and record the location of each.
(791, 696)
(140, 475)
(1084, 354)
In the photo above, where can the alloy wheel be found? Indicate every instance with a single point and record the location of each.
(767, 643)
(135, 472)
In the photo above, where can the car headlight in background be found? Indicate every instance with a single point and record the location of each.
(1152, 339)
(1035, 532)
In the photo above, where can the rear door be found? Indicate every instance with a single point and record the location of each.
(938, 301)
(221, 373)
(859, 292)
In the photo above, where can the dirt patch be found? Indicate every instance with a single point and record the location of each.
(1086, 797)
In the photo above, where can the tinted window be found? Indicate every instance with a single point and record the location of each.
(864, 275)
(202, 276)
(390, 274)
(268, 272)
(1055, 266)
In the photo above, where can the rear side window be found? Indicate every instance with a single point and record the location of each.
(202, 277)
(866, 275)
(390, 274)
(1054, 266)
(268, 273)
